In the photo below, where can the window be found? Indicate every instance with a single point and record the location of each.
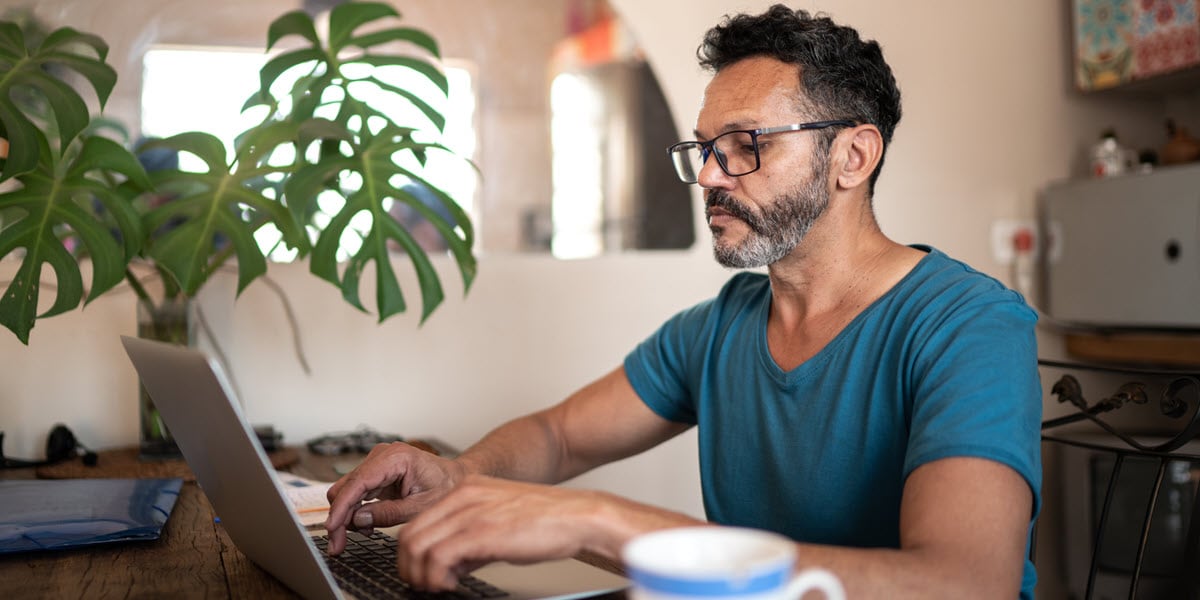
(576, 126)
(203, 89)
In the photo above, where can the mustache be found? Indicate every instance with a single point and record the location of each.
(722, 200)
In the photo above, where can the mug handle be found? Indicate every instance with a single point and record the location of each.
(816, 579)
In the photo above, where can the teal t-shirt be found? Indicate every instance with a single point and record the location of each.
(944, 364)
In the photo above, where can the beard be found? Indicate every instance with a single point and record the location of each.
(775, 230)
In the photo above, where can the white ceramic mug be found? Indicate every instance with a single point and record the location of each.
(721, 563)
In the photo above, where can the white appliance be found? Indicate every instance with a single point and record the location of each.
(1124, 251)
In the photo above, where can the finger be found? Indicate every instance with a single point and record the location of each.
(373, 478)
(452, 558)
(334, 489)
(337, 541)
(451, 518)
(344, 513)
(386, 513)
(431, 571)
(336, 532)
(349, 496)
(444, 563)
(383, 467)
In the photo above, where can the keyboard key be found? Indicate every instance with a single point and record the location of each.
(367, 568)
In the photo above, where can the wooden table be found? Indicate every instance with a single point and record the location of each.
(194, 558)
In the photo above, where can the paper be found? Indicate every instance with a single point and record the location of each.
(307, 497)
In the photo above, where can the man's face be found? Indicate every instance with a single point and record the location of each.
(759, 218)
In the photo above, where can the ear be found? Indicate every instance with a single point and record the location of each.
(860, 153)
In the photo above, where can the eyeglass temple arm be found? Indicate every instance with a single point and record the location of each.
(813, 125)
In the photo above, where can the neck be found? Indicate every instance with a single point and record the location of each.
(843, 264)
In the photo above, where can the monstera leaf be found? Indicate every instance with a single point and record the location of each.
(328, 62)
(32, 71)
(214, 213)
(370, 148)
(62, 175)
(59, 196)
(375, 163)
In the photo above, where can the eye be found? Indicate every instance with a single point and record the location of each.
(742, 148)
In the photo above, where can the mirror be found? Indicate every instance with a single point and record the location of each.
(559, 111)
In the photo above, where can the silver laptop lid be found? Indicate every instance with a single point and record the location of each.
(190, 391)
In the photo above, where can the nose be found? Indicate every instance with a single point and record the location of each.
(711, 174)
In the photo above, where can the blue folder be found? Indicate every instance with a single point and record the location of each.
(52, 514)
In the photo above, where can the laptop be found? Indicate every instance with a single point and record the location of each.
(194, 398)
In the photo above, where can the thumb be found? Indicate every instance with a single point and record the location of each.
(384, 513)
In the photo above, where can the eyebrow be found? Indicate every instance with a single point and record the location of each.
(734, 126)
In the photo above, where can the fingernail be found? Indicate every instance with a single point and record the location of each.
(363, 518)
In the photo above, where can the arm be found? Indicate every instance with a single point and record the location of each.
(963, 531)
(486, 519)
(602, 422)
(963, 528)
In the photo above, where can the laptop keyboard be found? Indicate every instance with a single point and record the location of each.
(367, 569)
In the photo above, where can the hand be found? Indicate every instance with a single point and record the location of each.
(486, 519)
(404, 479)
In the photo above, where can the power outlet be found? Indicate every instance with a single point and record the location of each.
(1013, 236)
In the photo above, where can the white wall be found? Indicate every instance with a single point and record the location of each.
(989, 119)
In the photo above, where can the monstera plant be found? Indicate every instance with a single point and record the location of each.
(319, 137)
(72, 196)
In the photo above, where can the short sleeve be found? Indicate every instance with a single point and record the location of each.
(658, 368)
(977, 391)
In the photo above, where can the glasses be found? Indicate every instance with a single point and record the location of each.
(736, 151)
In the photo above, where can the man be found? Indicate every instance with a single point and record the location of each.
(878, 403)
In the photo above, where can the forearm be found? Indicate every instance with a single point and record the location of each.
(917, 573)
(524, 449)
(913, 573)
(617, 520)
(603, 422)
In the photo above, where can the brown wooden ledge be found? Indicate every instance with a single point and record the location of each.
(1161, 349)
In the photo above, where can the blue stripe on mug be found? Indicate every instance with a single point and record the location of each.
(666, 584)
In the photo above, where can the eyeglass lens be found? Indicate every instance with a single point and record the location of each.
(735, 151)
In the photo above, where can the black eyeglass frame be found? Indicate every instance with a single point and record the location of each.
(709, 148)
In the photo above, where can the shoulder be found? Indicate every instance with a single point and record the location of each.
(942, 284)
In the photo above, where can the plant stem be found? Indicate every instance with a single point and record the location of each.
(142, 294)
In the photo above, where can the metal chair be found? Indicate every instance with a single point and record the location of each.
(1130, 486)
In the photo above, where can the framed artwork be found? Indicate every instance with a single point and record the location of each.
(1121, 41)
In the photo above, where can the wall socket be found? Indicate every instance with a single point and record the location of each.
(1012, 235)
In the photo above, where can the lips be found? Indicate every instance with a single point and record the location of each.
(719, 218)
(720, 207)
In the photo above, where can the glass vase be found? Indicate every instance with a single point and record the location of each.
(169, 321)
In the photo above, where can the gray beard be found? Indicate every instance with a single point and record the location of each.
(774, 231)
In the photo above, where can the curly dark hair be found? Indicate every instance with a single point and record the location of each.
(842, 76)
